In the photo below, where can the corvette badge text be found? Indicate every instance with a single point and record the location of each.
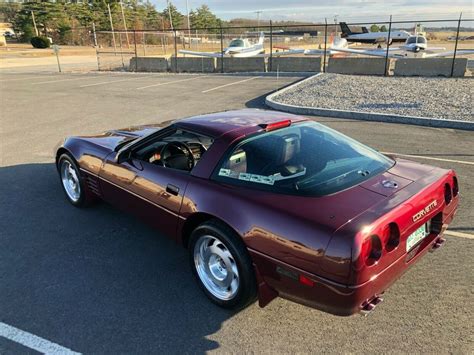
(425, 211)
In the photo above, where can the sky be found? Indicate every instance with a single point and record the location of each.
(344, 10)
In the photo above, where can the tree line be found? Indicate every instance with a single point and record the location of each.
(60, 19)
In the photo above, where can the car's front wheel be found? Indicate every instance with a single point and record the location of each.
(222, 265)
(72, 182)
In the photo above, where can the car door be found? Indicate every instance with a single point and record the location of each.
(152, 192)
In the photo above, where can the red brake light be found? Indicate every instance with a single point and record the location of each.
(448, 194)
(391, 236)
(371, 250)
(306, 281)
(276, 125)
(455, 186)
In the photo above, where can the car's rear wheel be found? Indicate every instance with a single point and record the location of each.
(72, 182)
(222, 265)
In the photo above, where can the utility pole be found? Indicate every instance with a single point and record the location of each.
(112, 28)
(189, 26)
(258, 19)
(34, 23)
(169, 13)
(124, 24)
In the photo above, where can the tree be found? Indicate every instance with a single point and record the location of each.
(383, 28)
(202, 17)
(176, 17)
(374, 28)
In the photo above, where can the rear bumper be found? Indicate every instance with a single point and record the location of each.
(329, 296)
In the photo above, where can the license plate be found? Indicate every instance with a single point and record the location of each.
(418, 235)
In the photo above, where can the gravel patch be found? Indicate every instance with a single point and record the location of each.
(439, 98)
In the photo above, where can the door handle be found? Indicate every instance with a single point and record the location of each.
(174, 190)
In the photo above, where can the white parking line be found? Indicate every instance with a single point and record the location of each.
(61, 80)
(235, 82)
(111, 82)
(171, 82)
(32, 341)
(459, 234)
(431, 158)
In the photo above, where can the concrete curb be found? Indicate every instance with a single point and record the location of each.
(358, 115)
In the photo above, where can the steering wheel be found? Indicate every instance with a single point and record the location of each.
(177, 155)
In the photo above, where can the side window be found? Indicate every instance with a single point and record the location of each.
(179, 149)
(266, 159)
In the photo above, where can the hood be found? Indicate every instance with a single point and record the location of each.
(111, 139)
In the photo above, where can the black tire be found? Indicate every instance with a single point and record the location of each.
(85, 199)
(247, 287)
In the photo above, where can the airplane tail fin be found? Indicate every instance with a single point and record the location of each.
(261, 38)
(346, 31)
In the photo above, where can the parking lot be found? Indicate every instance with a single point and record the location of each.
(100, 281)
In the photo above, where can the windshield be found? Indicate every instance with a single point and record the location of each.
(237, 43)
(304, 159)
(418, 39)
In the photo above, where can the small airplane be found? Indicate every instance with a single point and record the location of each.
(238, 47)
(415, 44)
(372, 37)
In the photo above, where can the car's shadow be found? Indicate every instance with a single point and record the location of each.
(94, 280)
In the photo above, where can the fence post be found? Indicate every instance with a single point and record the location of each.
(271, 47)
(222, 49)
(121, 50)
(94, 34)
(135, 43)
(325, 43)
(175, 52)
(386, 71)
(456, 46)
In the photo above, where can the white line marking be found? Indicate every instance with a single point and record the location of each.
(171, 82)
(431, 158)
(30, 77)
(235, 82)
(32, 341)
(61, 80)
(459, 234)
(110, 82)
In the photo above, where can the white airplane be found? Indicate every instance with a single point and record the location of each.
(414, 44)
(238, 47)
(336, 45)
(372, 37)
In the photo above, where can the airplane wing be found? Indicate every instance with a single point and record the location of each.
(201, 54)
(450, 53)
(282, 53)
(372, 52)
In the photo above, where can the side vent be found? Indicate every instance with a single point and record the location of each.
(92, 184)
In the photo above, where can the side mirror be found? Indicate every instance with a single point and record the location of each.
(123, 156)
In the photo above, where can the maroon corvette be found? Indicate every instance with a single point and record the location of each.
(270, 204)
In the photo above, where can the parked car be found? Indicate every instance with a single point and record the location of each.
(269, 204)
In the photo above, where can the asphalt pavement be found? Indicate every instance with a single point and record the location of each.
(100, 281)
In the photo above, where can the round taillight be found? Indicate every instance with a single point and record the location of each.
(391, 236)
(455, 186)
(372, 250)
(448, 194)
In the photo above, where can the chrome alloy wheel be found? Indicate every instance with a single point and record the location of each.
(70, 181)
(216, 267)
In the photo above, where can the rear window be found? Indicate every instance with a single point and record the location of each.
(303, 159)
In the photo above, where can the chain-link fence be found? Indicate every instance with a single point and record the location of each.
(447, 38)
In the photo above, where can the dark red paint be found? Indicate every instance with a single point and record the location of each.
(306, 249)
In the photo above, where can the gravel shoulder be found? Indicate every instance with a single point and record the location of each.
(438, 98)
